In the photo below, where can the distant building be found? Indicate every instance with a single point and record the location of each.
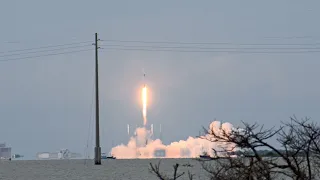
(62, 154)
(5, 152)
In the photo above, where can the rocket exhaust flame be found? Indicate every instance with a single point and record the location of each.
(144, 104)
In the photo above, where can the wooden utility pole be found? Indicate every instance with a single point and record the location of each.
(97, 149)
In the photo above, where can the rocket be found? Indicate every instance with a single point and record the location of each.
(144, 77)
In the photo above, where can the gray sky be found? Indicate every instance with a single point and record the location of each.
(45, 102)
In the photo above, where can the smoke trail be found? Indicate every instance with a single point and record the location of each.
(142, 146)
(144, 105)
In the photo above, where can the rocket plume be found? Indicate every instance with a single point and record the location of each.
(144, 105)
(143, 146)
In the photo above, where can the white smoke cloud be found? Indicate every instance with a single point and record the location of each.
(142, 146)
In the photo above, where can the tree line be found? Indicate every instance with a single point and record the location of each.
(252, 156)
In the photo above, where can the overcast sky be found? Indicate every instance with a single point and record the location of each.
(45, 102)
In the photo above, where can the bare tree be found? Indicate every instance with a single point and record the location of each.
(249, 164)
(301, 144)
(155, 169)
(297, 159)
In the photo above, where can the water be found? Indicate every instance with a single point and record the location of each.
(135, 169)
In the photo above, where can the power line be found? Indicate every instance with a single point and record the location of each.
(212, 43)
(164, 48)
(43, 47)
(291, 37)
(181, 49)
(220, 51)
(195, 47)
(10, 42)
(52, 54)
(48, 50)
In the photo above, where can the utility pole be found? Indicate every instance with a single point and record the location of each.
(97, 149)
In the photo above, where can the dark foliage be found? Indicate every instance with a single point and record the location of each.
(298, 157)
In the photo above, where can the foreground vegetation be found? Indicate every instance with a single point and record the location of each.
(298, 157)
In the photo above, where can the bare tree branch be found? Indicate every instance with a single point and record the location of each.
(298, 138)
(297, 158)
(155, 169)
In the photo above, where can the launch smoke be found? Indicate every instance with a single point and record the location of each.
(142, 146)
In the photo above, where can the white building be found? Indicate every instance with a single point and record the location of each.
(62, 154)
(5, 152)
